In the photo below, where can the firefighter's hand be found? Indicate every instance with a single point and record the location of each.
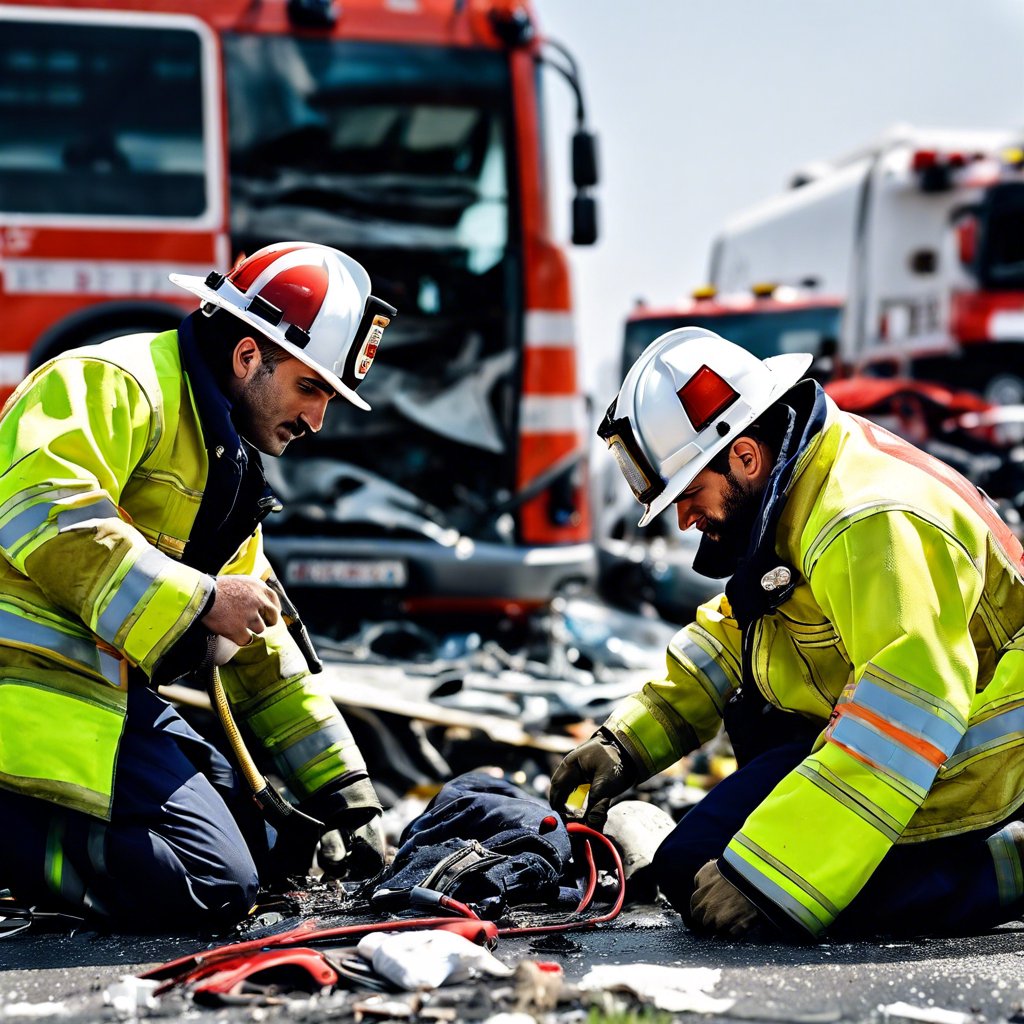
(717, 906)
(601, 763)
(355, 854)
(243, 607)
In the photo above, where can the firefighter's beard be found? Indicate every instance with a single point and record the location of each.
(727, 538)
(740, 507)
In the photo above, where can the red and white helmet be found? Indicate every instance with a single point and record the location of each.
(685, 399)
(312, 300)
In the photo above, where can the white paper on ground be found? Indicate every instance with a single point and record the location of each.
(33, 1010)
(675, 989)
(427, 959)
(131, 997)
(931, 1014)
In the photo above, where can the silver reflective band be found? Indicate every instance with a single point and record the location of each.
(86, 515)
(131, 591)
(294, 758)
(25, 633)
(704, 663)
(638, 482)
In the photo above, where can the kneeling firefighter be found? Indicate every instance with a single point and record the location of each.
(130, 510)
(867, 659)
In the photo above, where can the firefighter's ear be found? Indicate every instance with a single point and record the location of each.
(245, 359)
(750, 460)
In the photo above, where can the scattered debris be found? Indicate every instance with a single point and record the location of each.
(33, 1010)
(131, 997)
(929, 1014)
(427, 959)
(675, 989)
(539, 984)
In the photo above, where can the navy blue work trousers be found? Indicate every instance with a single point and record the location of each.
(184, 846)
(941, 886)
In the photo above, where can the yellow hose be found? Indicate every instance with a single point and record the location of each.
(253, 776)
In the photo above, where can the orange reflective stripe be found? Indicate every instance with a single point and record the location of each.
(919, 746)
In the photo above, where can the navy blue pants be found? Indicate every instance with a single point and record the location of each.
(943, 886)
(184, 848)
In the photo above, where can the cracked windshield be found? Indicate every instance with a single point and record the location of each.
(404, 165)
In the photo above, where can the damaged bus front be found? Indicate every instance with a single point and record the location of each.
(464, 489)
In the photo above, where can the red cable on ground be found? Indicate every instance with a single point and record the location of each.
(459, 908)
(591, 878)
(302, 935)
(182, 970)
(564, 926)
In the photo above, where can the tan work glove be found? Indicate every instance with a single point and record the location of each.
(601, 763)
(718, 906)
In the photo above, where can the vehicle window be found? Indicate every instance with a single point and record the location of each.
(402, 156)
(100, 120)
(1002, 233)
(765, 332)
(367, 144)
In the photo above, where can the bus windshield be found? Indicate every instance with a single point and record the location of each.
(400, 155)
(369, 145)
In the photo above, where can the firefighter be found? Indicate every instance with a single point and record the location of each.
(867, 658)
(130, 511)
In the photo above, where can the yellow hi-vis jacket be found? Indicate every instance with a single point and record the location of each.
(104, 469)
(905, 631)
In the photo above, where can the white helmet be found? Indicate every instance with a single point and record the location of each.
(312, 300)
(687, 396)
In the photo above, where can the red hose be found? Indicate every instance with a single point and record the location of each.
(180, 971)
(564, 926)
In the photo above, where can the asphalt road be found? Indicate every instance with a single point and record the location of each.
(982, 976)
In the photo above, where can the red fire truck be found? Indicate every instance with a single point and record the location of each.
(139, 137)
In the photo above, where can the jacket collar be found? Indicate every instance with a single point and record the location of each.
(212, 405)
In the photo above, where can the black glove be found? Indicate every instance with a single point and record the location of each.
(352, 845)
(604, 764)
(352, 854)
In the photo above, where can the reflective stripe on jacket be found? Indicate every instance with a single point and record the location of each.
(905, 632)
(106, 470)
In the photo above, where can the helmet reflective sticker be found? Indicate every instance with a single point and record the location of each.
(377, 315)
(704, 396)
(369, 346)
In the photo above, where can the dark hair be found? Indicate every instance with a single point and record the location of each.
(769, 428)
(218, 334)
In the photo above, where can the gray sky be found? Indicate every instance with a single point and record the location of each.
(705, 107)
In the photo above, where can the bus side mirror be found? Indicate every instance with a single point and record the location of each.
(584, 219)
(584, 159)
